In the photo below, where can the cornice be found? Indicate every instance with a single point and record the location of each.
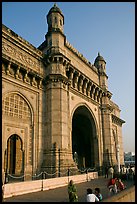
(11, 36)
(117, 120)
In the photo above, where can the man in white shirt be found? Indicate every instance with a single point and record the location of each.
(91, 197)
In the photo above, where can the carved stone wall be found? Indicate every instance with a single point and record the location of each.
(54, 81)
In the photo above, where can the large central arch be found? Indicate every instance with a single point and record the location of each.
(84, 138)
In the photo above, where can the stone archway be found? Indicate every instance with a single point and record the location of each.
(15, 157)
(84, 139)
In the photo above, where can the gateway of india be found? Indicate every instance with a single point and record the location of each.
(57, 112)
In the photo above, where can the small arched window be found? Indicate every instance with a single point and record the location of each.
(55, 19)
(61, 22)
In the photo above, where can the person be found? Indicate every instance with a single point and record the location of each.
(91, 197)
(72, 192)
(98, 194)
(112, 186)
(127, 173)
(120, 185)
(106, 171)
(110, 172)
(123, 172)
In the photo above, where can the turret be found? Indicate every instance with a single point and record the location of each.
(55, 19)
(101, 66)
(55, 36)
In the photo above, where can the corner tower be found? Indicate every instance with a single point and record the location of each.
(100, 63)
(55, 19)
(57, 146)
(55, 35)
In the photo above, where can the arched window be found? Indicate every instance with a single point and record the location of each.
(14, 105)
(55, 19)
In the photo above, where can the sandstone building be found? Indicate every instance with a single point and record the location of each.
(57, 111)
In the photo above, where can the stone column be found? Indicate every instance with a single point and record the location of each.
(107, 130)
(89, 88)
(84, 87)
(80, 83)
(75, 79)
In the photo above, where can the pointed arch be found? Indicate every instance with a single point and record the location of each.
(85, 142)
(90, 113)
(17, 105)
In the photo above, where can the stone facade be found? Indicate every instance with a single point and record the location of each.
(55, 104)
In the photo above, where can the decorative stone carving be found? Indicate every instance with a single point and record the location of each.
(34, 82)
(3, 68)
(26, 78)
(20, 56)
(18, 74)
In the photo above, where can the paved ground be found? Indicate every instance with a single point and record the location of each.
(60, 194)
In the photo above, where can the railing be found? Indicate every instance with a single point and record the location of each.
(45, 175)
(29, 186)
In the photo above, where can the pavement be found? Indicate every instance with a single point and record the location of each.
(61, 195)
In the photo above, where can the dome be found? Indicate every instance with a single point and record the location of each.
(99, 58)
(55, 9)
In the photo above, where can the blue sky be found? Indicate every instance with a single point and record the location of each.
(107, 27)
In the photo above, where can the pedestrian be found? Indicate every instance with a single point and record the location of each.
(91, 197)
(110, 172)
(112, 186)
(98, 194)
(106, 171)
(72, 192)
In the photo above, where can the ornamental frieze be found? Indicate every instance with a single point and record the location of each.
(20, 56)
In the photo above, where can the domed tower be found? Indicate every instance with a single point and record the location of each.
(55, 19)
(55, 36)
(101, 66)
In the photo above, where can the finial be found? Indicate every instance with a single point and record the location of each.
(98, 53)
(55, 5)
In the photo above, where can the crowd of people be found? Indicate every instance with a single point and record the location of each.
(126, 173)
(115, 184)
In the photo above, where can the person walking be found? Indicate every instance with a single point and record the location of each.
(91, 197)
(106, 171)
(110, 172)
(72, 192)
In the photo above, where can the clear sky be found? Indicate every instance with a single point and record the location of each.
(107, 27)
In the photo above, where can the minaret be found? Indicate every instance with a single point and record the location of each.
(101, 66)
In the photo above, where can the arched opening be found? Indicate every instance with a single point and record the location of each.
(84, 139)
(14, 158)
